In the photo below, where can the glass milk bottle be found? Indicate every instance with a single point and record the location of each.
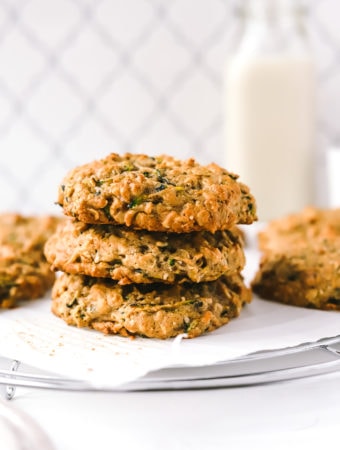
(270, 108)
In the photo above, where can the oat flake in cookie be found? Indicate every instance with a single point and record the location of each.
(137, 256)
(24, 272)
(155, 311)
(156, 194)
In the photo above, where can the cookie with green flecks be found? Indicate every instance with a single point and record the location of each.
(138, 256)
(156, 194)
(151, 310)
(305, 275)
(24, 272)
(300, 262)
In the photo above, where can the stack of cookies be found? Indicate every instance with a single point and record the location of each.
(152, 248)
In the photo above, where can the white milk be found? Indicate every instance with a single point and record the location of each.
(270, 130)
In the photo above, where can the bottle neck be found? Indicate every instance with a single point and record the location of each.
(274, 25)
(273, 11)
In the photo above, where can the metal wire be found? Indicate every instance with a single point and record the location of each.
(10, 389)
(245, 371)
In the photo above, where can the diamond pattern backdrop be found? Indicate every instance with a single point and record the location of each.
(82, 78)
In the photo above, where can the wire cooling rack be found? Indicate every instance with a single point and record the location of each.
(306, 360)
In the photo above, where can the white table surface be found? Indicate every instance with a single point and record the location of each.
(299, 414)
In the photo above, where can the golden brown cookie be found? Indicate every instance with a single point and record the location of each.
(300, 263)
(150, 310)
(309, 225)
(156, 194)
(136, 256)
(24, 271)
(305, 275)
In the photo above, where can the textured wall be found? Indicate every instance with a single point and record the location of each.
(82, 78)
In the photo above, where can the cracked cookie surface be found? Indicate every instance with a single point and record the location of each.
(156, 194)
(153, 310)
(137, 256)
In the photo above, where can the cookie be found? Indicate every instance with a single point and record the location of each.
(150, 310)
(24, 272)
(300, 263)
(23, 278)
(304, 275)
(309, 225)
(156, 194)
(136, 256)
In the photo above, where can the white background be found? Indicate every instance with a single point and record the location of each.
(82, 78)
